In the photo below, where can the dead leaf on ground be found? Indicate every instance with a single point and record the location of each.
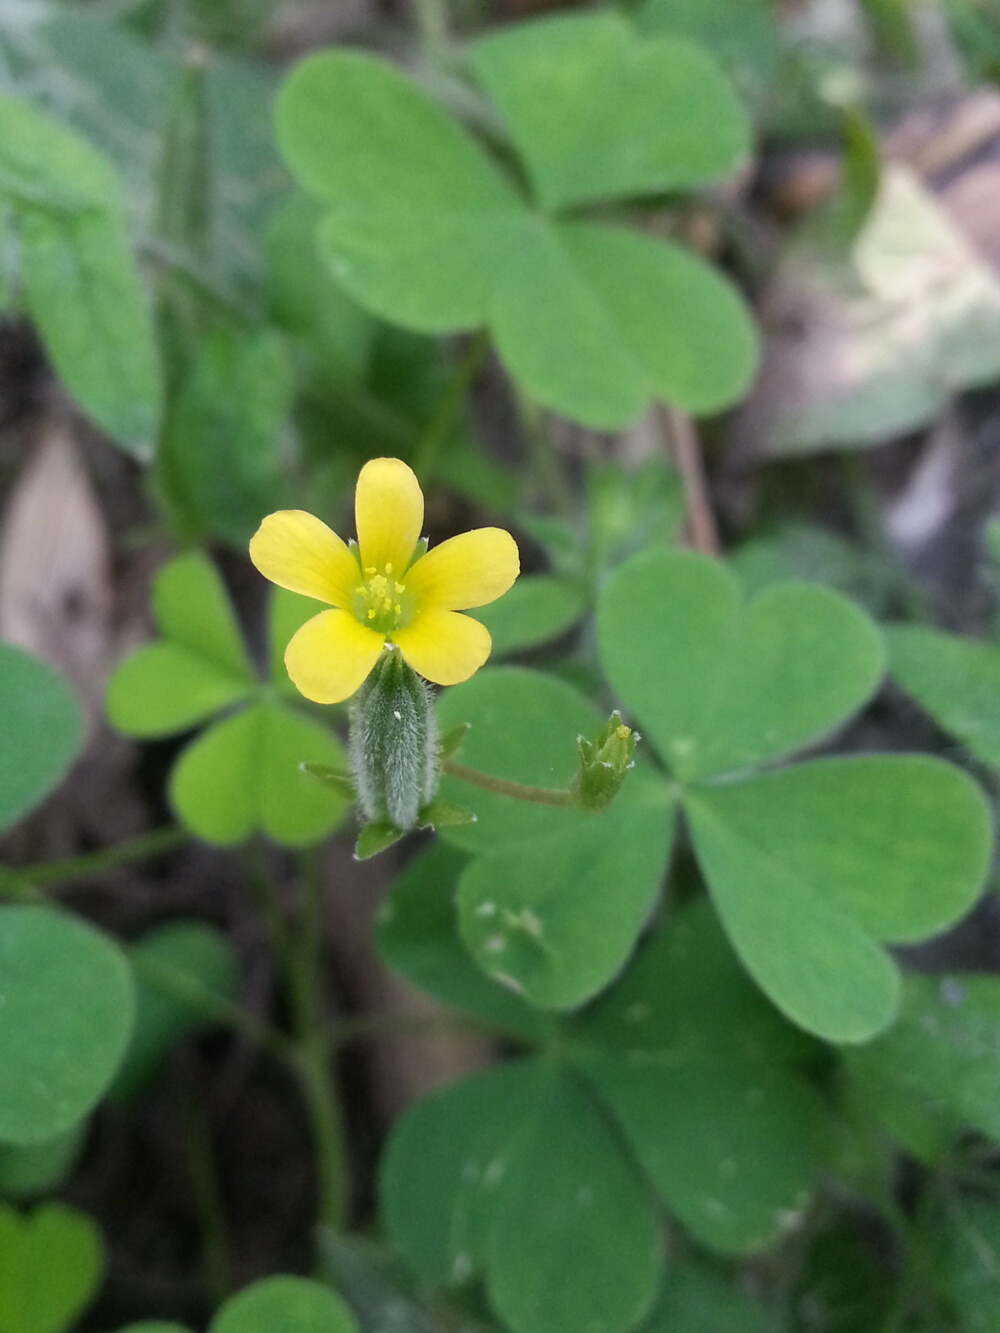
(55, 566)
(862, 351)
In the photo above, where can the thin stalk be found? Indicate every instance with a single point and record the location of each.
(268, 904)
(310, 941)
(389, 1027)
(519, 791)
(207, 1196)
(686, 451)
(298, 955)
(544, 462)
(436, 431)
(191, 993)
(139, 848)
(432, 26)
(311, 1062)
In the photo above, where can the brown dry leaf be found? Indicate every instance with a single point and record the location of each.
(55, 568)
(870, 349)
(973, 201)
(938, 138)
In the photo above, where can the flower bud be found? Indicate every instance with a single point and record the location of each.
(393, 747)
(604, 763)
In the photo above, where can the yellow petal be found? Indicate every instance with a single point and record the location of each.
(389, 509)
(299, 552)
(443, 646)
(469, 570)
(330, 656)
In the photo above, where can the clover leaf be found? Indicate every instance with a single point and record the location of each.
(811, 867)
(51, 1265)
(423, 228)
(244, 771)
(682, 1078)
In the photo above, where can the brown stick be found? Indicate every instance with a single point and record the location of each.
(686, 451)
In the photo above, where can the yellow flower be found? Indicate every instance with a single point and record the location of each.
(385, 589)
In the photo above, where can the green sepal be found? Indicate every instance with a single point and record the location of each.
(451, 741)
(393, 744)
(375, 838)
(444, 814)
(330, 777)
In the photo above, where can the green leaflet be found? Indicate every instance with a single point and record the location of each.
(701, 1073)
(41, 733)
(636, 116)
(516, 1173)
(700, 669)
(65, 1019)
(956, 680)
(51, 1265)
(934, 1074)
(80, 281)
(293, 1304)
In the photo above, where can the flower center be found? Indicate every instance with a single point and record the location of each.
(381, 601)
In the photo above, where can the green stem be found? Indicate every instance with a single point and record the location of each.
(312, 1065)
(299, 957)
(312, 1052)
(190, 992)
(544, 462)
(519, 791)
(310, 940)
(207, 1196)
(436, 431)
(269, 906)
(139, 848)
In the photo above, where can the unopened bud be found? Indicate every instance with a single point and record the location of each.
(393, 744)
(604, 763)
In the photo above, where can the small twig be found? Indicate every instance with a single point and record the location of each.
(686, 452)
